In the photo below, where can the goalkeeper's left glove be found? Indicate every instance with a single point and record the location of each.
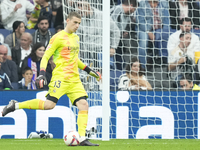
(91, 72)
(41, 80)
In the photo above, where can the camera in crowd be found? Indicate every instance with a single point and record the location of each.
(188, 65)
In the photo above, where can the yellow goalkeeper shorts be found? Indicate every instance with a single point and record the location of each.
(73, 90)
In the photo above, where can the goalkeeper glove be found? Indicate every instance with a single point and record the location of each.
(41, 80)
(91, 72)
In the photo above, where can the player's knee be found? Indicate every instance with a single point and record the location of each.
(82, 104)
(49, 105)
(85, 104)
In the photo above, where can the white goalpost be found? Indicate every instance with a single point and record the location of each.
(106, 72)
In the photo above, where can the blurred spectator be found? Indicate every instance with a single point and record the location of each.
(2, 43)
(32, 1)
(186, 82)
(8, 66)
(27, 82)
(13, 39)
(174, 39)
(12, 10)
(59, 17)
(19, 54)
(34, 15)
(113, 3)
(46, 10)
(134, 78)
(70, 4)
(4, 79)
(122, 15)
(55, 4)
(28, 14)
(59, 28)
(181, 9)
(181, 59)
(34, 59)
(1, 24)
(150, 16)
(42, 34)
(91, 38)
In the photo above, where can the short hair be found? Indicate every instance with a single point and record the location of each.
(130, 2)
(187, 77)
(186, 19)
(129, 66)
(73, 14)
(42, 18)
(26, 69)
(183, 34)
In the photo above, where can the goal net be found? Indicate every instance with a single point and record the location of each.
(153, 67)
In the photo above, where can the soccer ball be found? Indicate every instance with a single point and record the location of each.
(72, 138)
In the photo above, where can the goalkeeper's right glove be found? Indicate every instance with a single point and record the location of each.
(41, 80)
(91, 72)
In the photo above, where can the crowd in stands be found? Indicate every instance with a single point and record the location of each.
(153, 43)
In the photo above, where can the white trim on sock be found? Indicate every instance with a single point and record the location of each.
(16, 106)
(82, 138)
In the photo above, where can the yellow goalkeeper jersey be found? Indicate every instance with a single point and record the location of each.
(65, 48)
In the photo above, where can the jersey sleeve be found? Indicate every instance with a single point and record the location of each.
(51, 48)
(81, 65)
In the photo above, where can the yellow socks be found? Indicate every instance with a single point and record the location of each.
(82, 122)
(32, 104)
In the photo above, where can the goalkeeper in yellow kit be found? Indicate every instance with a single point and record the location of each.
(64, 46)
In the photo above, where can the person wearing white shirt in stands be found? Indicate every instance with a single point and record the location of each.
(12, 10)
(180, 59)
(134, 78)
(174, 39)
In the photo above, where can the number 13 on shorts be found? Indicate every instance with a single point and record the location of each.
(57, 84)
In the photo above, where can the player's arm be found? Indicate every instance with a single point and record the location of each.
(91, 72)
(52, 46)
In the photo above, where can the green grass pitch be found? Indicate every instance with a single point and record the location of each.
(113, 144)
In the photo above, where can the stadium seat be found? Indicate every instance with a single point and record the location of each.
(161, 39)
(14, 85)
(5, 32)
(197, 32)
(31, 31)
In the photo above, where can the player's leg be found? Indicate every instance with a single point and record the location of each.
(52, 97)
(50, 103)
(29, 104)
(82, 119)
(77, 96)
(82, 105)
(36, 104)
